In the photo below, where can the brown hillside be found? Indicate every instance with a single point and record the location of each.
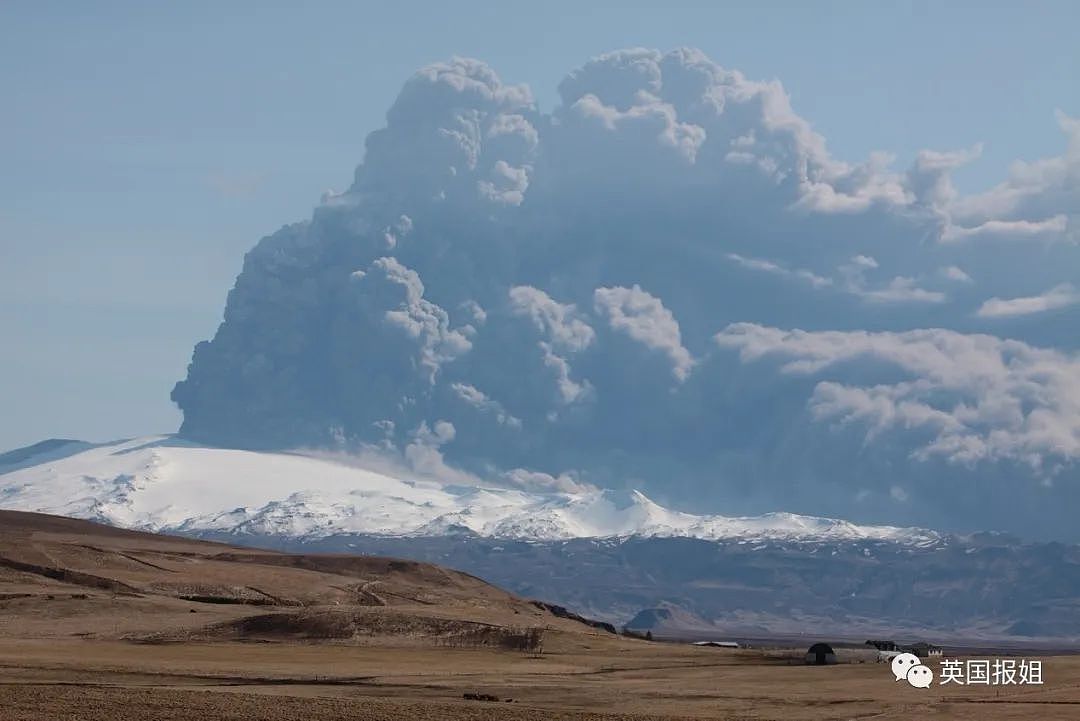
(66, 577)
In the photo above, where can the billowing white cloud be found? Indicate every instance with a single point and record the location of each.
(423, 456)
(851, 278)
(1060, 296)
(767, 266)
(398, 289)
(955, 273)
(564, 332)
(475, 311)
(1052, 227)
(648, 118)
(544, 482)
(569, 390)
(644, 318)
(929, 178)
(900, 289)
(455, 132)
(982, 398)
(399, 229)
(561, 322)
(506, 184)
(479, 400)
(1039, 199)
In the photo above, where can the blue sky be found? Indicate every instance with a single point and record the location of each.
(145, 149)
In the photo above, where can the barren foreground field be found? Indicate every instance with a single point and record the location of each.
(583, 679)
(102, 625)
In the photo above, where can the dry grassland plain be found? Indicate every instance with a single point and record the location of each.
(102, 625)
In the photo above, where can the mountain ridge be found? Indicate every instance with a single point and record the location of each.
(604, 553)
(163, 483)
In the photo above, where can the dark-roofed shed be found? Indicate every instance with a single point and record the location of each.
(820, 654)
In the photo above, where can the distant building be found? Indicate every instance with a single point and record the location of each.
(888, 649)
(820, 654)
(883, 645)
(922, 649)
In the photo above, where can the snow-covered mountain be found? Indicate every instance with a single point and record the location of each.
(163, 483)
(603, 552)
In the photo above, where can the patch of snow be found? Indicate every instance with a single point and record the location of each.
(161, 483)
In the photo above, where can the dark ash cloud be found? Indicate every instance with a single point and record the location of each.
(669, 282)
